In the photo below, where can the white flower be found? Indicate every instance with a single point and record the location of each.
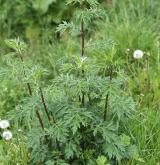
(4, 124)
(83, 58)
(138, 54)
(7, 135)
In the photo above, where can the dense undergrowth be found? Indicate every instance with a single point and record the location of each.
(73, 92)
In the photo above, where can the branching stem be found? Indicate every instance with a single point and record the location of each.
(43, 101)
(106, 107)
(39, 119)
(44, 104)
(82, 38)
(82, 54)
(107, 97)
(30, 93)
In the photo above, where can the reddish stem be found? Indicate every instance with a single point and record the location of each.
(30, 93)
(82, 37)
(44, 104)
(82, 54)
(39, 118)
(107, 97)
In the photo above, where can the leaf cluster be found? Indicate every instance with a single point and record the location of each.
(87, 103)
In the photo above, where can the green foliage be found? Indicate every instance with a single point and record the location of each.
(29, 19)
(101, 160)
(85, 14)
(19, 47)
(90, 99)
(80, 118)
(90, 2)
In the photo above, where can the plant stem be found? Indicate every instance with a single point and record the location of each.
(138, 70)
(44, 104)
(40, 119)
(82, 38)
(107, 96)
(82, 128)
(89, 98)
(82, 54)
(28, 85)
(29, 89)
(83, 98)
(47, 113)
(30, 93)
(106, 107)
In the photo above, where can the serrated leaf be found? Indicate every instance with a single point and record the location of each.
(16, 44)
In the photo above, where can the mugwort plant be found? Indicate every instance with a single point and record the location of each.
(80, 116)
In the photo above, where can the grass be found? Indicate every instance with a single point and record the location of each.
(147, 134)
(134, 26)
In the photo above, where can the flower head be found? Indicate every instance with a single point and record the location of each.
(4, 124)
(138, 54)
(7, 135)
(83, 58)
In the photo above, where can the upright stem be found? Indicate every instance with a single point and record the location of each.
(29, 89)
(30, 93)
(138, 70)
(82, 54)
(39, 119)
(28, 85)
(106, 107)
(47, 113)
(107, 97)
(44, 104)
(82, 128)
(83, 99)
(82, 38)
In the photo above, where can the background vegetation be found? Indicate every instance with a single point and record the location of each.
(128, 25)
